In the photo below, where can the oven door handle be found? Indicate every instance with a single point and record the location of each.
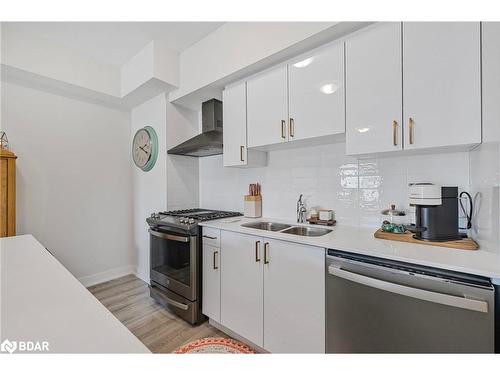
(167, 236)
(170, 301)
(422, 294)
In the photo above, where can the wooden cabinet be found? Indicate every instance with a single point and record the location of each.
(441, 84)
(242, 285)
(316, 94)
(267, 108)
(7, 193)
(374, 90)
(294, 298)
(235, 150)
(273, 292)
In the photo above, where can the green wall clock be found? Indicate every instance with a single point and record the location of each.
(145, 148)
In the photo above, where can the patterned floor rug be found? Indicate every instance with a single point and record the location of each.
(215, 345)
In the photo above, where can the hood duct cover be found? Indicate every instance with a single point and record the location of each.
(209, 142)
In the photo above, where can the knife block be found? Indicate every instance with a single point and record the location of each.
(253, 206)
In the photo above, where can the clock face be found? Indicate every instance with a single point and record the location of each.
(145, 148)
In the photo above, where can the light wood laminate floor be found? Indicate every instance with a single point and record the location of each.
(161, 331)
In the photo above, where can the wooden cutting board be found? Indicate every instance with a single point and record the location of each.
(465, 244)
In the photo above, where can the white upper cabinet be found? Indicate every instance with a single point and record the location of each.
(294, 298)
(316, 94)
(491, 80)
(441, 84)
(234, 110)
(374, 90)
(267, 108)
(236, 153)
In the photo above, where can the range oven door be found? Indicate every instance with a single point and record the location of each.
(173, 259)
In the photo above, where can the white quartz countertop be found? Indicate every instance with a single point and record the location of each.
(361, 241)
(42, 301)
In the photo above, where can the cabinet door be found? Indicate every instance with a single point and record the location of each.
(294, 298)
(235, 125)
(491, 80)
(211, 282)
(267, 108)
(374, 90)
(441, 84)
(316, 94)
(241, 285)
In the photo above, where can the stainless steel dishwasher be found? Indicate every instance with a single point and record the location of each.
(381, 306)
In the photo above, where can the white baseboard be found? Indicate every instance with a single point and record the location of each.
(111, 274)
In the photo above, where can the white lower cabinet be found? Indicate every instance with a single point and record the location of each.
(211, 282)
(242, 286)
(294, 298)
(272, 292)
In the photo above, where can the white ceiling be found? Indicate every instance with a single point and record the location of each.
(116, 42)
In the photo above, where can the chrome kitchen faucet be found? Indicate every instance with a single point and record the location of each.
(301, 210)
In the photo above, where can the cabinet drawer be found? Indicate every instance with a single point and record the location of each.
(211, 236)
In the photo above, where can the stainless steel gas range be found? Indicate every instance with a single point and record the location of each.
(175, 259)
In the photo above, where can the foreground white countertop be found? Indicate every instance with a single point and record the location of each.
(42, 301)
(361, 241)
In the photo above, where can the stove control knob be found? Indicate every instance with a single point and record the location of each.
(182, 219)
(191, 221)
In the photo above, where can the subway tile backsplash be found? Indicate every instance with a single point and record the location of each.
(357, 190)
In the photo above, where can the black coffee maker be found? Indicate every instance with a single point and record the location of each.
(436, 212)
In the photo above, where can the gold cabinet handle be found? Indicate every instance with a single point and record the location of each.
(410, 128)
(257, 251)
(283, 129)
(242, 148)
(266, 250)
(395, 133)
(215, 260)
(292, 127)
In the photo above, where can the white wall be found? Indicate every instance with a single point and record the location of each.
(74, 189)
(182, 171)
(38, 55)
(149, 188)
(236, 45)
(485, 159)
(153, 62)
(356, 190)
(485, 180)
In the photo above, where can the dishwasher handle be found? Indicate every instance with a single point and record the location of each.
(422, 294)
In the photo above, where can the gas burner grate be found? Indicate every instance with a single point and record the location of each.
(202, 214)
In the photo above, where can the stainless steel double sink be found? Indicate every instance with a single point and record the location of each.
(288, 229)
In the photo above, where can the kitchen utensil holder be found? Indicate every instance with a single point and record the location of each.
(253, 206)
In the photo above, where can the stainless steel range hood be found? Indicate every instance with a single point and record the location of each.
(209, 142)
